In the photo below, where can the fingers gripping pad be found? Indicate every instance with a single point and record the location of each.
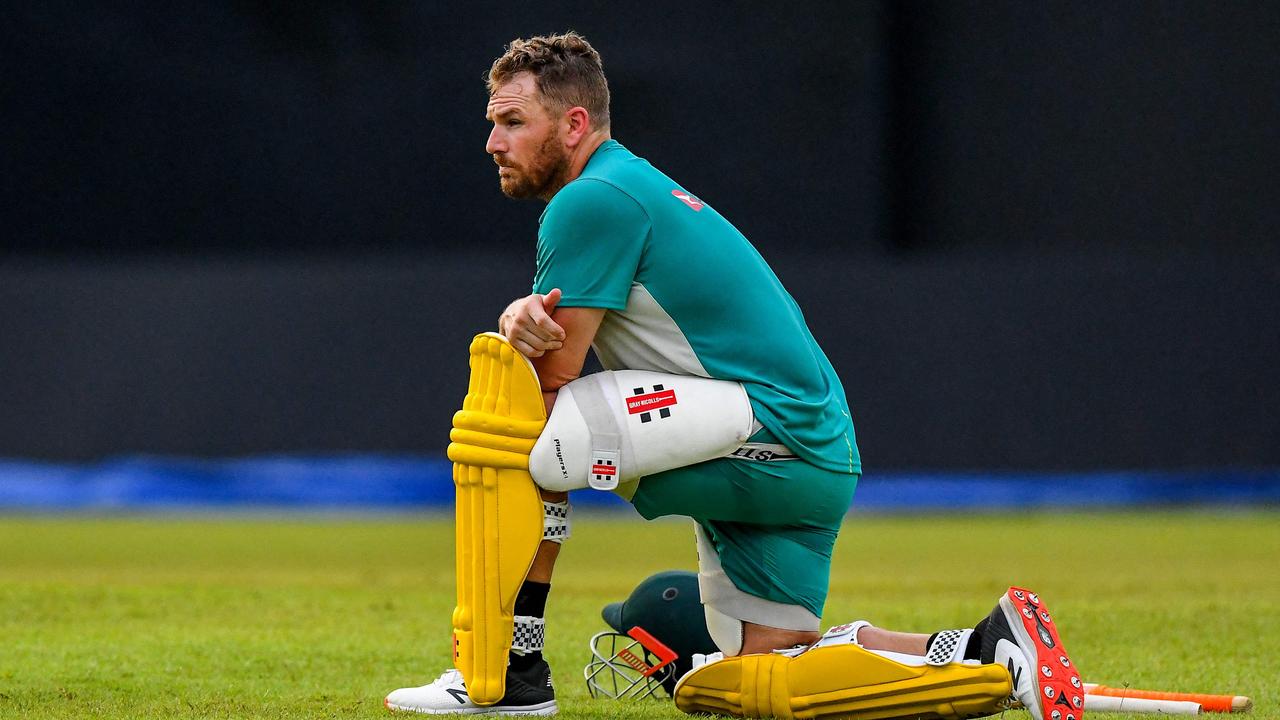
(842, 681)
(499, 514)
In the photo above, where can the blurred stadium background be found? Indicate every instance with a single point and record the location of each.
(245, 244)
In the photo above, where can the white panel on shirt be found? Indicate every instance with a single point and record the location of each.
(644, 337)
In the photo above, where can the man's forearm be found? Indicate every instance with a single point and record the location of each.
(557, 368)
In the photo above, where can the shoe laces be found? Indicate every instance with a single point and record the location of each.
(448, 677)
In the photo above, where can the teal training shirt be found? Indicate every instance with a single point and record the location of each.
(687, 294)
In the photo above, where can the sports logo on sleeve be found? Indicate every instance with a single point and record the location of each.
(644, 403)
(688, 199)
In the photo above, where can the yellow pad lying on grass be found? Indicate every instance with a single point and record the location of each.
(499, 510)
(842, 681)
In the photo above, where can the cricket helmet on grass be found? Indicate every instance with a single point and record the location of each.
(656, 632)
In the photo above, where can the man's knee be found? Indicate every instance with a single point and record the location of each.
(730, 611)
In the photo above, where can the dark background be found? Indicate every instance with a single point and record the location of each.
(1029, 235)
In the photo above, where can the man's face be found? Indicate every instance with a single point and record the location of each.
(525, 141)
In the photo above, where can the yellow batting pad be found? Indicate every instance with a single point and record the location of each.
(499, 510)
(842, 681)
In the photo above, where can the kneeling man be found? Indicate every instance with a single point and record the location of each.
(716, 404)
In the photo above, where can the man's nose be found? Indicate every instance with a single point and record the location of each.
(496, 144)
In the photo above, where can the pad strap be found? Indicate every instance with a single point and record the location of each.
(607, 435)
(528, 635)
(948, 646)
(843, 634)
(555, 521)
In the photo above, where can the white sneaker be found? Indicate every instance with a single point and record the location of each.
(528, 693)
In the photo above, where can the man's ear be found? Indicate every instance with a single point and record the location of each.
(578, 125)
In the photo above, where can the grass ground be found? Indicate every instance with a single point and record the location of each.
(248, 617)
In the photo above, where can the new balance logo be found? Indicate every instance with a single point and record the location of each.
(1015, 673)
(458, 694)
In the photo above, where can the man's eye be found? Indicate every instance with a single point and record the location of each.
(513, 123)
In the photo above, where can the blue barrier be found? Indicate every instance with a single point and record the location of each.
(377, 482)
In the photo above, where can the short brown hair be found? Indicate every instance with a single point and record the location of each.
(568, 71)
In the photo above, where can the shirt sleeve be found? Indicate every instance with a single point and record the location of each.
(590, 243)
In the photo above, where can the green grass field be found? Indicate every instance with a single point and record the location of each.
(255, 617)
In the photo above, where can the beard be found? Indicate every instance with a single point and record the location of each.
(542, 176)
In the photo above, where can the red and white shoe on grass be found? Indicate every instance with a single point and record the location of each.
(1021, 635)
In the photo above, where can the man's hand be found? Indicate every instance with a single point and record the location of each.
(527, 324)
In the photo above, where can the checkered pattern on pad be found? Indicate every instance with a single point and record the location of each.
(555, 521)
(529, 633)
(943, 649)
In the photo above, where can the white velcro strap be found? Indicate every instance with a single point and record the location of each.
(605, 430)
(846, 634)
(948, 647)
(529, 634)
(555, 521)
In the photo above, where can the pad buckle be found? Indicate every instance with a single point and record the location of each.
(604, 470)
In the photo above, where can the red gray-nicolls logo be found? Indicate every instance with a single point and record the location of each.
(689, 199)
(644, 403)
(603, 469)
